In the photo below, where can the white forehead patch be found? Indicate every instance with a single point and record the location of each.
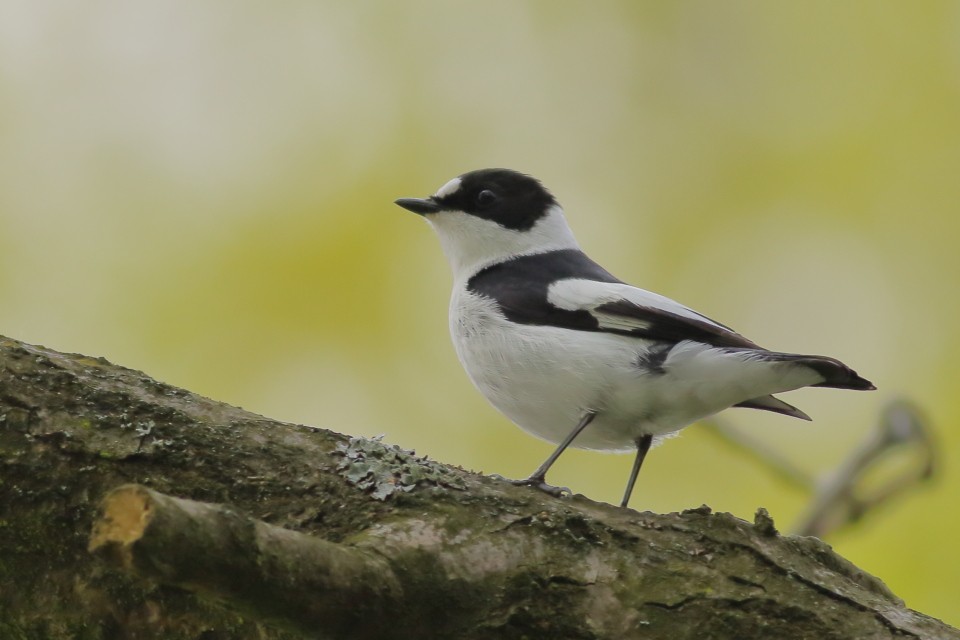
(448, 189)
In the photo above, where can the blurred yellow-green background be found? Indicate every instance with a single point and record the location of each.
(204, 191)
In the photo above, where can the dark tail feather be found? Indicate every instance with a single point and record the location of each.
(836, 375)
(853, 381)
(776, 405)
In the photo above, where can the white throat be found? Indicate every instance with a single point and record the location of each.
(471, 243)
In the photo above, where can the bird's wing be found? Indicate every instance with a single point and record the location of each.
(620, 308)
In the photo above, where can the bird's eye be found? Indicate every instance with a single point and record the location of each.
(486, 198)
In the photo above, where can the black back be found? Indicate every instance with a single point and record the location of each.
(519, 286)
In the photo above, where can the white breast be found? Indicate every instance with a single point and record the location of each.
(545, 378)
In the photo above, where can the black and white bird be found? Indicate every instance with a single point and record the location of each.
(576, 356)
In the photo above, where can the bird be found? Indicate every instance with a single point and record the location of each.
(572, 354)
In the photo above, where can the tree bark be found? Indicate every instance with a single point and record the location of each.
(285, 531)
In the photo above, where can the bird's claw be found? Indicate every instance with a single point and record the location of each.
(537, 483)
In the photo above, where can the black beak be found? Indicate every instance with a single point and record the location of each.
(423, 206)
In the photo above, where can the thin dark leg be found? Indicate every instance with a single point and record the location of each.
(643, 445)
(538, 478)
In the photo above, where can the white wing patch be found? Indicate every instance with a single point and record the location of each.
(619, 322)
(586, 295)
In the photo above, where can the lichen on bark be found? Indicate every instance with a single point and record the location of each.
(467, 556)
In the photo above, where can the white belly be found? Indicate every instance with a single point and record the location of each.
(545, 378)
(544, 381)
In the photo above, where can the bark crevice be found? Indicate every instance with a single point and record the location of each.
(207, 521)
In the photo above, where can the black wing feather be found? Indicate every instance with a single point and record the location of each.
(520, 287)
(662, 325)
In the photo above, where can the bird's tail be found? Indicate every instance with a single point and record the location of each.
(836, 375)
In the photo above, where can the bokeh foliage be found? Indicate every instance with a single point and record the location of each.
(203, 191)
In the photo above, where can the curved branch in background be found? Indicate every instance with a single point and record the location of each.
(900, 450)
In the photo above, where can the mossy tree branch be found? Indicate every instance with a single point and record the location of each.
(445, 553)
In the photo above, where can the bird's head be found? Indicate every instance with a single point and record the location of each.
(488, 216)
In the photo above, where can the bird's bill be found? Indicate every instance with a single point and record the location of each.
(422, 206)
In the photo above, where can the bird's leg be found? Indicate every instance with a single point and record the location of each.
(538, 478)
(643, 445)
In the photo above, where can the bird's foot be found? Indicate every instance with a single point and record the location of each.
(537, 482)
